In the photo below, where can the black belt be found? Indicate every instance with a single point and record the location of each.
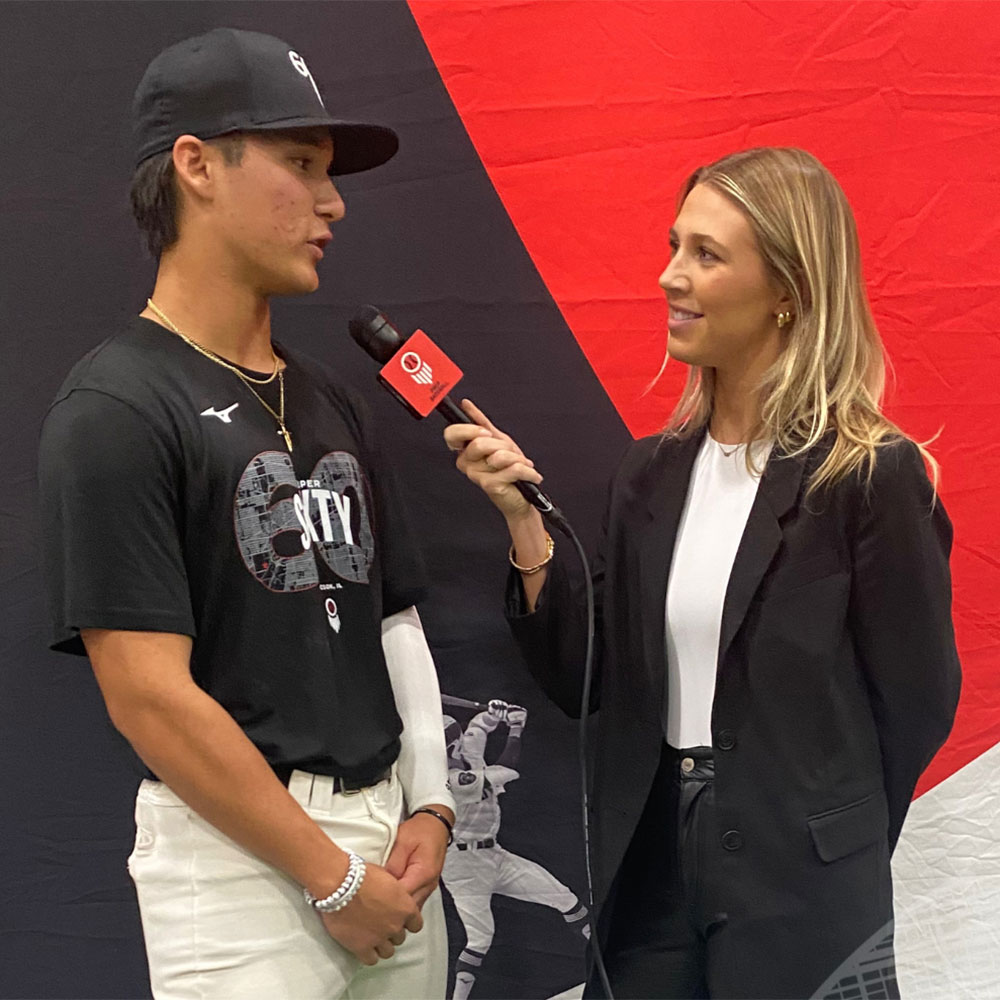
(340, 784)
(464, 845)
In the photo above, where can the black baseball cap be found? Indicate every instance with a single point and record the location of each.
(229, 80)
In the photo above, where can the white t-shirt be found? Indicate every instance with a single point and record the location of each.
(720, 495)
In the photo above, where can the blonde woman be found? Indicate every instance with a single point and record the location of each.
(776, 656)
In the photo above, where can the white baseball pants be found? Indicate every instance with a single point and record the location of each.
(221, 923)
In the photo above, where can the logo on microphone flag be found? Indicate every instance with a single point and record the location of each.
(419, 370)
(420, 374)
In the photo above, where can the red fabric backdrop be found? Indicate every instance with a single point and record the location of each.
(588, 116)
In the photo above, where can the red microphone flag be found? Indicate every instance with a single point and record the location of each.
(420, 374)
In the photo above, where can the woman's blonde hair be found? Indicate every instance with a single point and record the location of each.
(830, 375)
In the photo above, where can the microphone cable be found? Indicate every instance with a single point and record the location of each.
(588, 680)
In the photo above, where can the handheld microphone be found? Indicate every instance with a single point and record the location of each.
(420, 377)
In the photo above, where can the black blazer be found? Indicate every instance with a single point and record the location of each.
(837, 678)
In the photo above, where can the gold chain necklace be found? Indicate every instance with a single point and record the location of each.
(211, 354)
(243, 377)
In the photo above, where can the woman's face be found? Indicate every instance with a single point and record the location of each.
(723, 303)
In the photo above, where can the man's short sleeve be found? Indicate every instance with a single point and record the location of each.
(404, 576)
(109, 486)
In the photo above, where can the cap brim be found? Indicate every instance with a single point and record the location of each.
(357, 146)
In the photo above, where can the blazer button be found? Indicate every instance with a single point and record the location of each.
(732, 840)
(726, 739)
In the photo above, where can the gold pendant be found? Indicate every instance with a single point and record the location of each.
(284, 432)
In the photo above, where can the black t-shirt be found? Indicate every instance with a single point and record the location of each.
(170, 504)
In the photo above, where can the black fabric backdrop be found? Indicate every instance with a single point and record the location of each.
(428, 240)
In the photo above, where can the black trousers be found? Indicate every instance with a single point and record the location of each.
(666, 931)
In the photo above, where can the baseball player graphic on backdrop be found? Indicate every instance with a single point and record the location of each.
(476, 866)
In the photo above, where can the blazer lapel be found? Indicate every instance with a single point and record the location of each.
(779, 487)
(669, 476)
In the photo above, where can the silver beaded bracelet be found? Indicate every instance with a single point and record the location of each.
(345, 892)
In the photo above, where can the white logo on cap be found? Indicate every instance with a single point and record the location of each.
(300, 64)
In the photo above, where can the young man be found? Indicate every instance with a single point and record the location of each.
(226, 545)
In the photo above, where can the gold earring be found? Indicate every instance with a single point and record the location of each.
(784, 318)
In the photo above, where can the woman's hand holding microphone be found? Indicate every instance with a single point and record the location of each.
(493, 461)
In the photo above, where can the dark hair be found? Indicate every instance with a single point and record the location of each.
(153, 194)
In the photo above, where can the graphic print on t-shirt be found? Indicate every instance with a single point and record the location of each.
(283, 523)
(330, 605)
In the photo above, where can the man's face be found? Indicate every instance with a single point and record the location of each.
(275, 209)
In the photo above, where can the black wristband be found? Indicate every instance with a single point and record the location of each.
(440, 816)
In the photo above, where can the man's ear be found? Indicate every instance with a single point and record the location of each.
(195, 165)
